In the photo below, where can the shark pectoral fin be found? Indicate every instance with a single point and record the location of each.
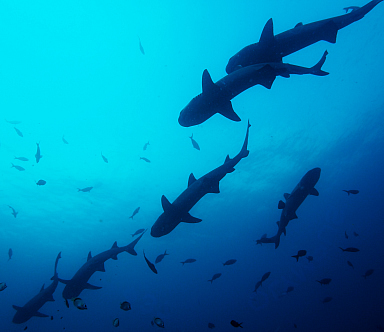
(89, 286)
(285, 231)
(16, 307)
(281, 205)
(285, 75)
(294, 216)
(89, 256)
(268, 76)
(50, 298)
(207, 84)
(191, 179)
(167, 206)
(39, 314)
(114, 257)
(314, 192)
(267, 37)
(63, 281)
(286, 196)
(101, 267)
(227, 111)
(190, 220)
(330, 32)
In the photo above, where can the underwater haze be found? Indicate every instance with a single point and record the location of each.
(92, 82)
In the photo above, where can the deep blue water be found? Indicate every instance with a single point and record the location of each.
(75, 70)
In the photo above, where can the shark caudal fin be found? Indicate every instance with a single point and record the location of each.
(316, 69)
(130, 248)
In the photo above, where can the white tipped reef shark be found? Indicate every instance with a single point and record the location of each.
(272, 48)
(32, 307)
(305, 187)
(79, 281)
(178, 211)
(216, 97)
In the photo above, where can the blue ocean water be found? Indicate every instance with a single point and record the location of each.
(74, 72)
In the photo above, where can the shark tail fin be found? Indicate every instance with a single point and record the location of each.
(316, 69)
(130, 248)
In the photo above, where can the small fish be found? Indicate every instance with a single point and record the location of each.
(104, 158)
(350, 8)
(41, 182)
(290, 289)
(189, 260)
(139, 231)
(346, 235)
(215, 276)
(160, 257)
(327, 299)
(353, 192)
(51, 317)
(294, 325)
(135, 212)
(38, 155)
(194, 143)
(324, 281)
(14, 212)
(125, 306)
(19, 168)
(25, 328)
(236, 324)
(145, 159)
(10, 253)
(2, 286)
(230, 262)
(258, 284)
(157, 321)
(18, 132)
(265, 276)
(64, 140)
(300, 253)
(145, 146)
(310, 259)
(355, 234)
(21, 158)
(211, 325)
(79, 303)
(141, 47)
(116, 322)
(350, 249)
(13, 122)
(262, 237)
(85, 190)
(350, 264)
(368, 273)
(151, 266)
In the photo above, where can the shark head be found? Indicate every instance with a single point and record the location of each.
(196, 112)
(310, 179)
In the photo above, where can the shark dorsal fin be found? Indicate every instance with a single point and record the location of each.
(286, 196)
(267, 37)
(314, 192)
(114, 245)
(191, 179)
(165, 204)
(89, 256)
(227, 111)
(207, 83)
(189, 219)
(227, 158)
(42, 288)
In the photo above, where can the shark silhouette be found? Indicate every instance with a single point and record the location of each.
(178, 211)
(31, 308)
(79, 281)
(305, 187)
(216, 97)
(272, 48)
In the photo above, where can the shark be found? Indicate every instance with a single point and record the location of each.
(272, 48)
(216, 97)
(178, 211)
(32, 307)
(305, 187)
(79, 281)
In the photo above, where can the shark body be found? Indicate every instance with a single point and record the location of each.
(305, 187)
(178, 211)
(272, 48)
(32, 307)
(216, 97)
